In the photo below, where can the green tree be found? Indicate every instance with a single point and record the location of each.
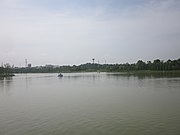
(140, 65)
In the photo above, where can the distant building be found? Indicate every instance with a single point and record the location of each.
(29, 65)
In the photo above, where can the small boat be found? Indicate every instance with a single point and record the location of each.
(60, 75)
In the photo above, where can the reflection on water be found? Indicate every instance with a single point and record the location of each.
(5, 84)
(28, 81)
(86, 76)
(89, 103)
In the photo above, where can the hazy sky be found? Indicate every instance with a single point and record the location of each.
(75, 31)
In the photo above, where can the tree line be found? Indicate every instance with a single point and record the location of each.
(156, 65)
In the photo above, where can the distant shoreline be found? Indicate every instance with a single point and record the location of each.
(138, 67)
(147, 72)
(172, 73)
(11, 75)
(154, 72)
(130, 72)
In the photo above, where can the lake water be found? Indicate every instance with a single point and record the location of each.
(89, 104)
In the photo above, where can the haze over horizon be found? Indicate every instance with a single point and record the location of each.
(62, 32)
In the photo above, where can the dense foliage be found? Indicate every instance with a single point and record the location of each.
(6, 70)
(156, 65)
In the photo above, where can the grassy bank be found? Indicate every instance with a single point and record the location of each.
(154, 72)
(9, 75)
(149, 73)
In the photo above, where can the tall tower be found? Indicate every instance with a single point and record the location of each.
(93, 60)
(25, 62)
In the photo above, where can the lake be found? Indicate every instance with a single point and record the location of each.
(89, 104)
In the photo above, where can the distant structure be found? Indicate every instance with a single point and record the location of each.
(93, 60)
(25, 62)
(29, 65)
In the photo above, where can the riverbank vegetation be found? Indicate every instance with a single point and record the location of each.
(138, 67)
(6, 70)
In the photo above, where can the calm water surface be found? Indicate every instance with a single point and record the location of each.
(89, 104)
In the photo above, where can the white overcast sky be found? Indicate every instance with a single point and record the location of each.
(71, 32)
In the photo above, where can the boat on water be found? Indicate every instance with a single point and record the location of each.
(60, 75)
